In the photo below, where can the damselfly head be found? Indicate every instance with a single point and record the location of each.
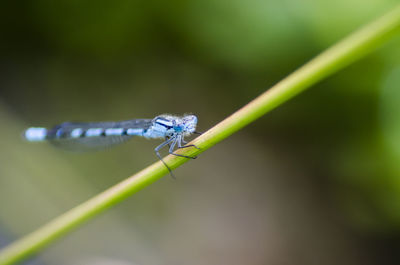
(189, 123)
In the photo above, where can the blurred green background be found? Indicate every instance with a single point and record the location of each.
(316, 181)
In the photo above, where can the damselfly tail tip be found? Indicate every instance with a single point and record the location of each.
(35, 134)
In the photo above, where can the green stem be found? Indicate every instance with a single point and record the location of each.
(337, 57)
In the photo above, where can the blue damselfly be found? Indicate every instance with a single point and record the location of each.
(95, 135)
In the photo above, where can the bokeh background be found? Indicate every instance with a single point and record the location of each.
(316, 181)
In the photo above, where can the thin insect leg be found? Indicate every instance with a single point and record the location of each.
(178, 140)
(163, 144)
(172, 146)
(185, 146)
(157, 149)
(182, 141)
(199, 133)
(166, 139)
(190, 145)
(191, 157)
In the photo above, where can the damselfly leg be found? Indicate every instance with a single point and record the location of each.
(182, 140)
(157, 150)
(177, 140)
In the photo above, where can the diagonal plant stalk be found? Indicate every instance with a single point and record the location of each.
(335, 58)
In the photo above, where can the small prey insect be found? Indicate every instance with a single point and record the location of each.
(96, 135)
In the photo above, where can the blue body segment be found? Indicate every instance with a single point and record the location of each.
(95, 135)
(35, 134)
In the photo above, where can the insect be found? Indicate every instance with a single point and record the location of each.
(96, 135)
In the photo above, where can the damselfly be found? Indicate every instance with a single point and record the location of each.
(95, 135)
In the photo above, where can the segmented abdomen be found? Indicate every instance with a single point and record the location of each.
(81, 136)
